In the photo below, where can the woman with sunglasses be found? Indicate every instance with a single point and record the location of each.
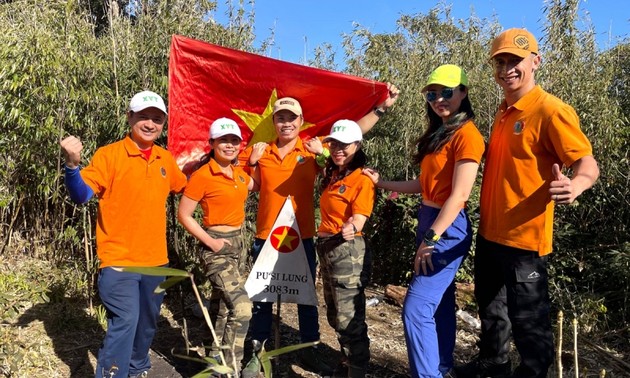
(221, 188)
(449, 153)
(346, 203)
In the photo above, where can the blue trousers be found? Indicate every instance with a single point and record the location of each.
(260, 325)
(429, 307)
(132, 314)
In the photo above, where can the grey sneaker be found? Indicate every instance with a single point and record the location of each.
(252, 369)
(144, 374)
(312, 360)
(484, 368)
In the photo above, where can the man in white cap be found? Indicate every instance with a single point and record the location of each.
(132, 179)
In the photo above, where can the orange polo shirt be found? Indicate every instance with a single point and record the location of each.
(294, 176)
(354, 194)
(132, 192)
(526, 140)
(437, 169)
(222, 198)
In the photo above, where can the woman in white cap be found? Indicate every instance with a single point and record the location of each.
(222, 188)
(346, 203)
(449, 153)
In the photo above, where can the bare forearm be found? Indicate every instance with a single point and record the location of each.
(448, 214)
(585, 174)
(368, 121)
(195, 229)
(409, 186)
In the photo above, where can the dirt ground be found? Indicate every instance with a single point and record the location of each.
(60, 339)
(389, 353)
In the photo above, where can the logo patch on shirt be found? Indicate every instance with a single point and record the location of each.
(241, 178)
(518, 127)
(533, 275)
(342, 189)
(163, 171)
(300, 159)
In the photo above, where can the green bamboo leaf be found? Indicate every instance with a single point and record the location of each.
(266, 366)
(266, 356)
(221, 369)
(170, 282)
(194, 359)
(156, 271)
(213, 364)
(203, 374)
(287, 349)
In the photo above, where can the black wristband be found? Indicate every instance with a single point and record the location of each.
(379, 112)
(252, 165)
(431, 238)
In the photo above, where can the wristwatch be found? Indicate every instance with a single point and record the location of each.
(431, 238)
(379, 112)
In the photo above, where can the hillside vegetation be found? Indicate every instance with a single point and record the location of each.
(70, 67)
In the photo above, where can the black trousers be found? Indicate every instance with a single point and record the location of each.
(511, 289)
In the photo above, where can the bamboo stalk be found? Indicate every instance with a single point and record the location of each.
(575, 347)
(559, 353)
(110, 16)
(206, 316)
(88, 258)
(17, 209)
(278, 322)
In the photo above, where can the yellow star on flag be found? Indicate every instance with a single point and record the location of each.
(262, 124)
(285, 240)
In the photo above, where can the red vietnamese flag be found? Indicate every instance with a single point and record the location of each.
(207, 82)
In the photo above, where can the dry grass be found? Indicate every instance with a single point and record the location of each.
(60, 338)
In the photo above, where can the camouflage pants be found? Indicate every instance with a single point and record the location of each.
(345, 267)
(230, 306)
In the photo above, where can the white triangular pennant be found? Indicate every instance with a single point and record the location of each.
(282, 267)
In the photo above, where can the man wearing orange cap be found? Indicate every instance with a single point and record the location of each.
(534, 134)
(289, 167)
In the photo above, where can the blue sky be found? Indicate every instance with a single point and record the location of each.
(301, 25)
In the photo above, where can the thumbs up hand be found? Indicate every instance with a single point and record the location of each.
(560, 189)
(348, 229)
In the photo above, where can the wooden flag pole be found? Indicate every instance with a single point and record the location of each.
(575, 347)
(559, 355)
(278, 321)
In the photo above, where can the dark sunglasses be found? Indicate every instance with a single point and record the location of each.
(445, 93)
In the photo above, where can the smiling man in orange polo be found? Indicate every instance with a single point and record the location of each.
(132, 179)
(289, 167)
(534, 134)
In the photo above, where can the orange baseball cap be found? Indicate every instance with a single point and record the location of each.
(514, 41)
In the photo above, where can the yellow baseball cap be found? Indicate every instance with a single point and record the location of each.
(514, 41)
(448, 75)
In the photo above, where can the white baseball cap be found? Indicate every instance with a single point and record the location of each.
(345, 131)
(224, 126)
(146, 99)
